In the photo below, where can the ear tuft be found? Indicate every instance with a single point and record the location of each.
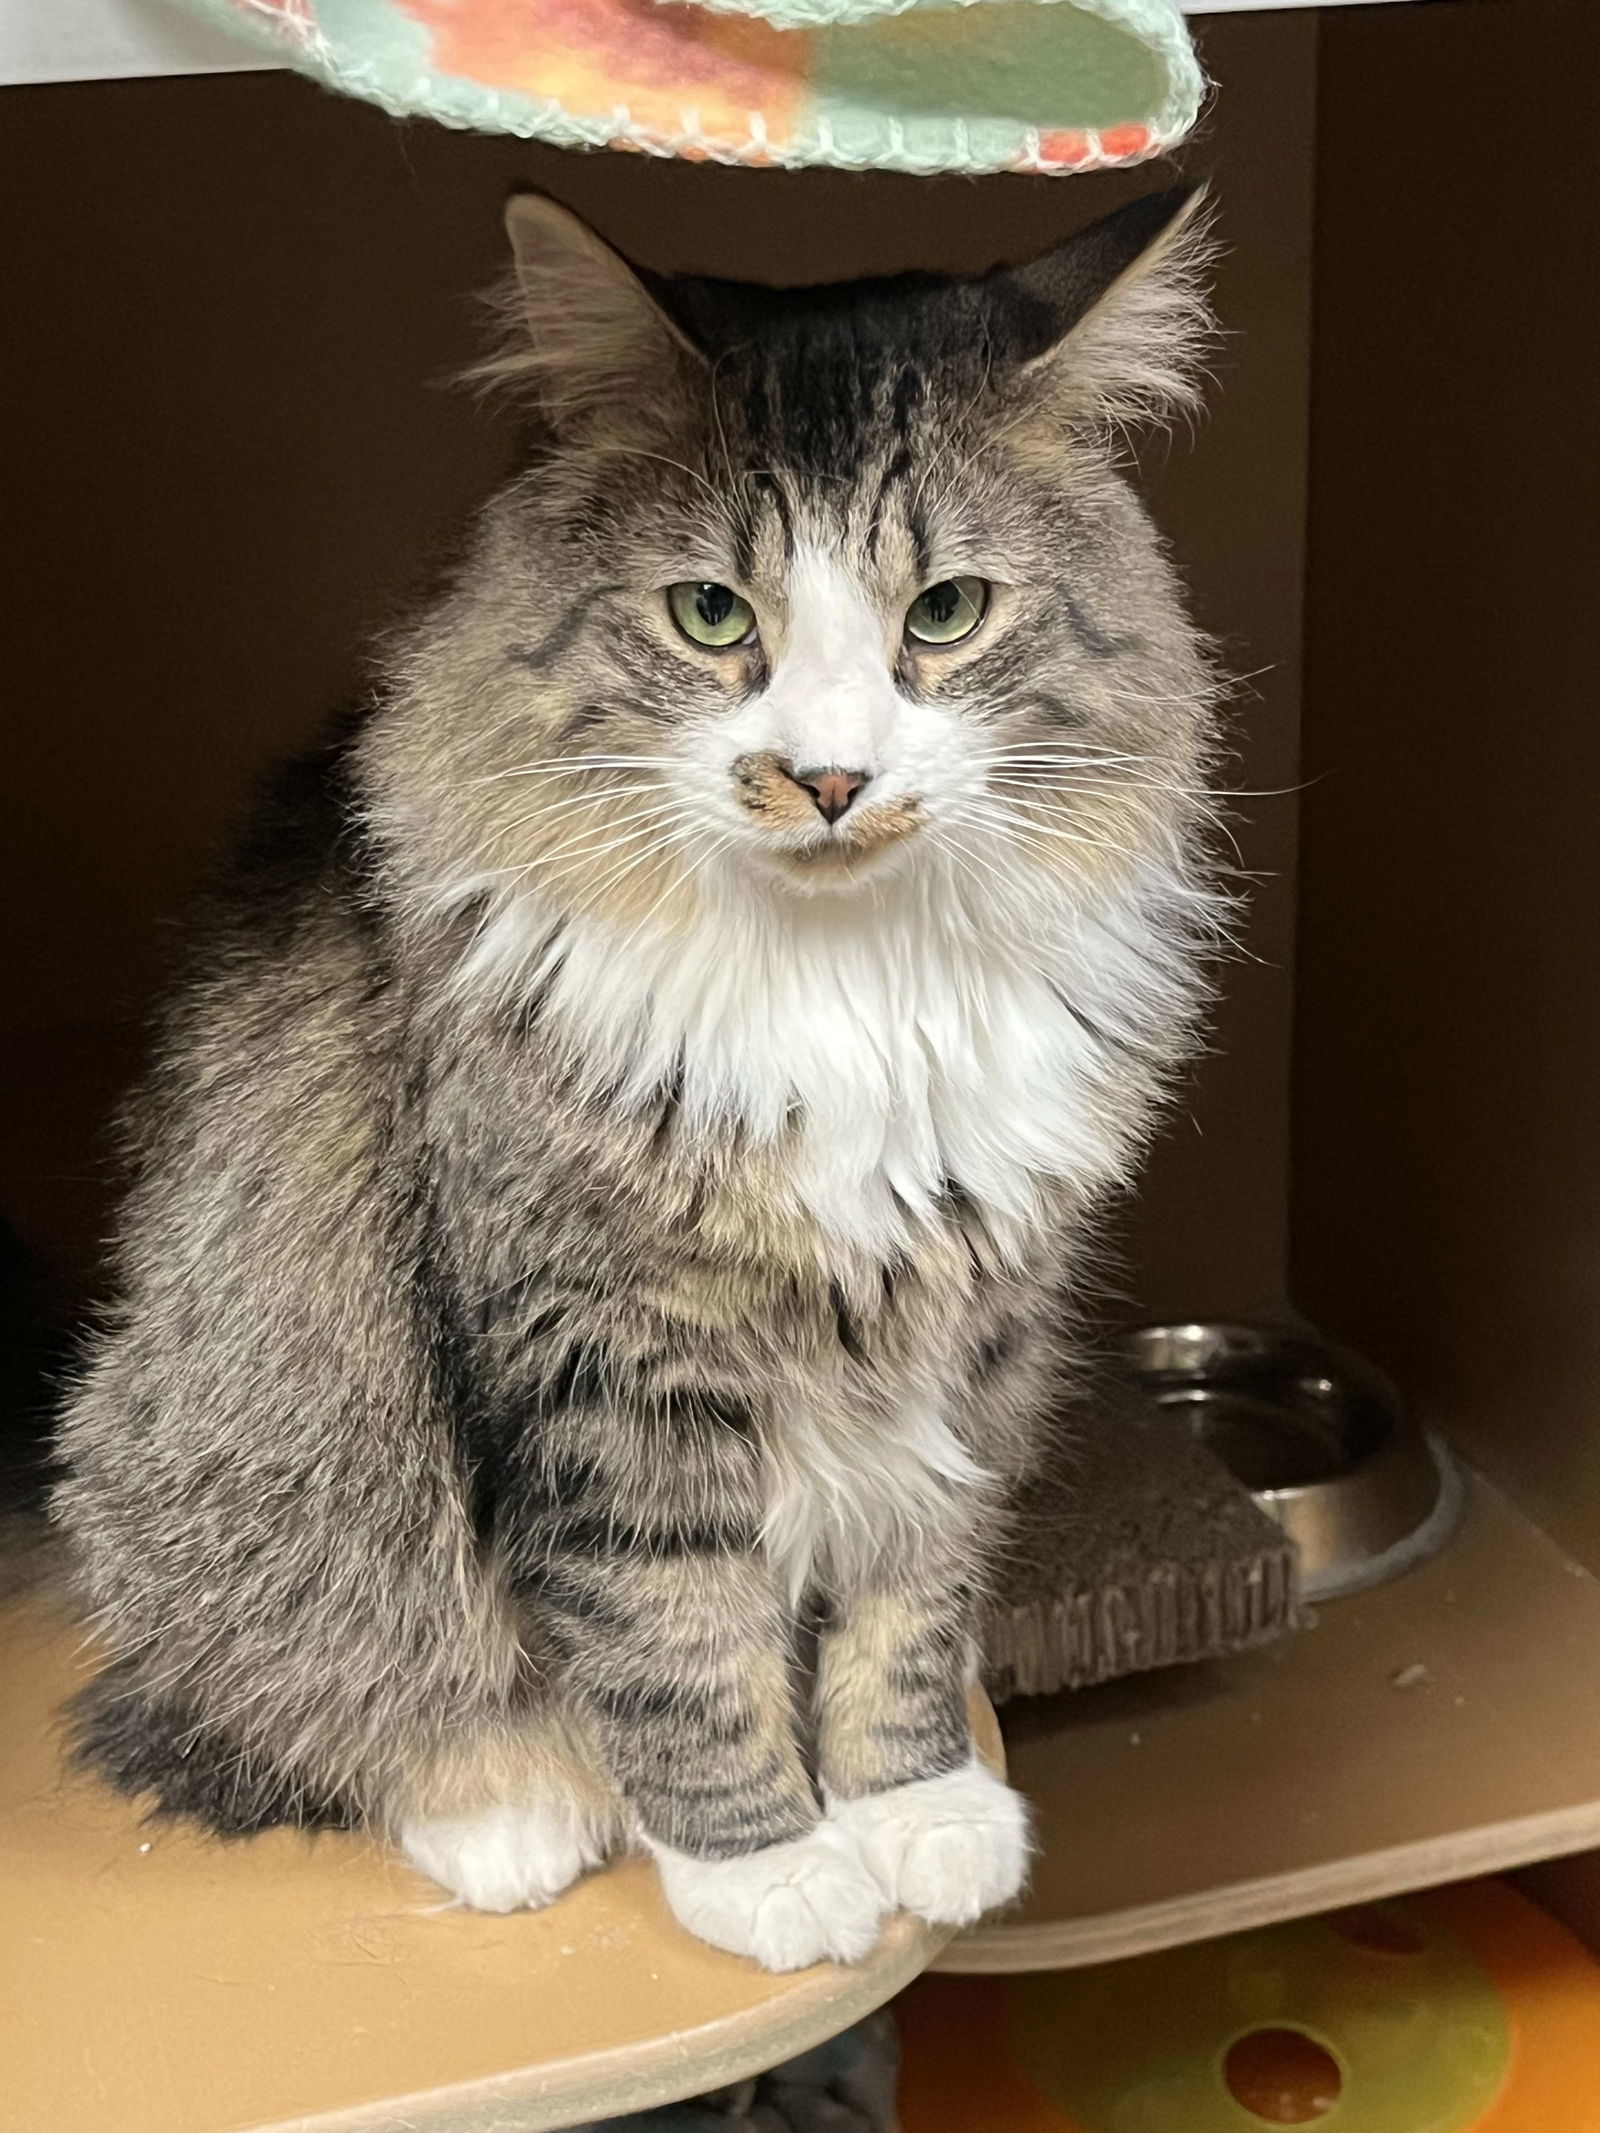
(1119, 317)
(578, 332)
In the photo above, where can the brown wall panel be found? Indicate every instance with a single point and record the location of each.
(1447, 1128)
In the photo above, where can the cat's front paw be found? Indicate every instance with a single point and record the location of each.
(948, 1848)
(805, 1901)
(503, 1858)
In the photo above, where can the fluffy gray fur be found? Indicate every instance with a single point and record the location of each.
(494, 1397)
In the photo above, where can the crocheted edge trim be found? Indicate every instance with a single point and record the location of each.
(1044, 151)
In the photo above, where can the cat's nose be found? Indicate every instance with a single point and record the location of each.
(831, 789)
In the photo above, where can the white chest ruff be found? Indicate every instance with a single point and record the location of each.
(906, 1040)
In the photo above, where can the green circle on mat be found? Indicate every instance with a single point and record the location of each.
(1417, 2033)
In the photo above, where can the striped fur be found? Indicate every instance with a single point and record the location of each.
(598, 1223)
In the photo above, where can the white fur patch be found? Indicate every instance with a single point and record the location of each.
(832, 698)
(847, 1497)
(507, 1858)
(810, 1900)
(920, 1035)
(948, 1848)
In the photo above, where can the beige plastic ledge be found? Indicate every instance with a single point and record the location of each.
(1445, 1725)
(152, 1981)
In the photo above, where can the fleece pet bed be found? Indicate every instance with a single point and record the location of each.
(909, 85)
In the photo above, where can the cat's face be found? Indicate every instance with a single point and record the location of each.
(809, 591)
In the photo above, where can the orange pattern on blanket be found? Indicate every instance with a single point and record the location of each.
(593, 55)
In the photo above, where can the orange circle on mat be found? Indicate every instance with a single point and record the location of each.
(959, 2076)
(1551, 1985)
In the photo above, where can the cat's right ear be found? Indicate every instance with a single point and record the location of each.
(581, 336)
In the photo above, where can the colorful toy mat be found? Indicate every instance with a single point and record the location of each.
(1467, 2010)
(911, 85)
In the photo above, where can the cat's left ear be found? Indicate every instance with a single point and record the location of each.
(582, 335)
(1113, 325)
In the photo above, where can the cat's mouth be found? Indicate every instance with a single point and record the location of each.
(862, 837)
(799, 844)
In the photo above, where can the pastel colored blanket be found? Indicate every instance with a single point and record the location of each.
(908, 85)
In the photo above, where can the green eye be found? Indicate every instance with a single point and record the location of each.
(948, 611)
(713, 615)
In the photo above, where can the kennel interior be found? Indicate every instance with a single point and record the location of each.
(232, 300)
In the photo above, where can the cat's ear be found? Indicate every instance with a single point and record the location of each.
(1114, 324)
(580, 334)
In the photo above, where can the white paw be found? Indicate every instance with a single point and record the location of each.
(504, 1858)
(948, 1848)
(789, 1906)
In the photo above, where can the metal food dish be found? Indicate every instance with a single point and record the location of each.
(1317, 1436)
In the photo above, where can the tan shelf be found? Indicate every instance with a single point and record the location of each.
(1447, 1724)
(155, 1982)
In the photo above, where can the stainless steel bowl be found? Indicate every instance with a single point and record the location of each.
(1317, 1436)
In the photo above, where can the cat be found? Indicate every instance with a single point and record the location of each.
(607, 1200)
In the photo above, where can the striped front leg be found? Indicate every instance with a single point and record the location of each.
(669, 1633)
(942, 1835)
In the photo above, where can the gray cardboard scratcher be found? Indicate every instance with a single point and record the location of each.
(1132, 1547)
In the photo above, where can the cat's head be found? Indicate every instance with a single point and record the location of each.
(803, 591)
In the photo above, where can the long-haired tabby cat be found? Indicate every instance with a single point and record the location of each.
(609, 1184)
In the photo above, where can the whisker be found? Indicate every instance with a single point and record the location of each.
(643, 820)
(699, 866)
(1043, 787)
(518, 831)
(1010, 892)
(674, 840)
(1047, 782)
(635, 859)
(590, 761)
(1063, 758)
(645, 824)
(583, 847)
(958, 855)
(597, 797)
(1016, 826)
(557, 766)
(1038, 746)
(1184, 699)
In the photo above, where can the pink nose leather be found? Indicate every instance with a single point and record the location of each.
(832, 790)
